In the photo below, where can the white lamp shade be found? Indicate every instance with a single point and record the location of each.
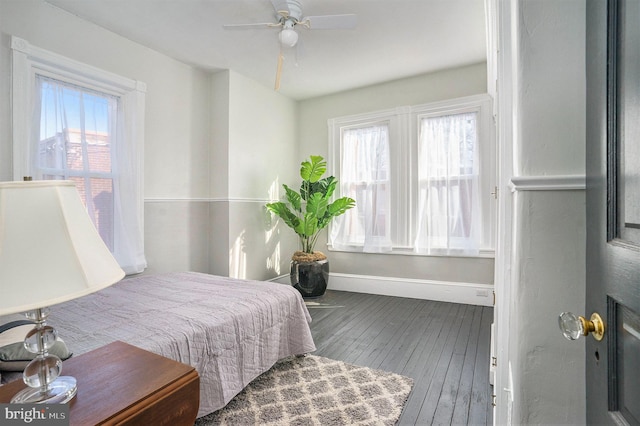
(50, 251)
(288, 37)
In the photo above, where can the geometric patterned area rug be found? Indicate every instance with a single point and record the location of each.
(314, 390)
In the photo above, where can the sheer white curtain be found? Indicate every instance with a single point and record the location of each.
(128, 207)
(449, 216)
(365, 177)
(81, 135)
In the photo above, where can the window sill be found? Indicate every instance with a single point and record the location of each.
(399, 251)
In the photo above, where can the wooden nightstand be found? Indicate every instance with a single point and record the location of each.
(120, 384)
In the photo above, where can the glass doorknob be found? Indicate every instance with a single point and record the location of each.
(574, 326)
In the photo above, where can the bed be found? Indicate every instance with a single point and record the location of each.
(230, 330)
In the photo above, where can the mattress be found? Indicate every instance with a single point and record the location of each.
(230, 330)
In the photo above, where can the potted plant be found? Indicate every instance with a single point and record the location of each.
(308, 212)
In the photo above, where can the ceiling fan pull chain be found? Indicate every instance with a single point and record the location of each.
(279, 70)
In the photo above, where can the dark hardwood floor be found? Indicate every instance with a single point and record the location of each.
(444, 347)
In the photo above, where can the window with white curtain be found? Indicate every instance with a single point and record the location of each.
(78, 123)
(365, 177)
(449, 217)
(76, 141)
(422, 177)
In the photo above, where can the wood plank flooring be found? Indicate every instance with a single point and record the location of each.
(444, 347)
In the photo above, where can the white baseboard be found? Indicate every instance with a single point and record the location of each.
(443, 291)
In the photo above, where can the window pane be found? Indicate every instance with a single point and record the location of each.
(75, 144)
(449, 145)
(102, 197)
(365, 177)
(448, 184)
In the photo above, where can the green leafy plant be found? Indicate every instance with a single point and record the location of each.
(309, 211)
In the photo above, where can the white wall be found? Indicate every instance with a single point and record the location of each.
(176, 124)
(313, 137)
(549, 223)
(253, 152)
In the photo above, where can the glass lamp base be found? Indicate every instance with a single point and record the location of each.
(60, 391)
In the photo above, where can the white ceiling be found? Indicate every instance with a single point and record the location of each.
(393, 38)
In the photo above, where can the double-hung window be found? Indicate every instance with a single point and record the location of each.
(366, 178)
(77, 131)
(448, 214)
(78, 123)
(426, 189)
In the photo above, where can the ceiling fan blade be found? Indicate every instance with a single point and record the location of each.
(251, 26)
(331, 22)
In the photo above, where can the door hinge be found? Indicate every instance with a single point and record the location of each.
(495, 192)
(493, 400)
(494, 361)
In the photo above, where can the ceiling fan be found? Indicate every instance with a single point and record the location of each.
(288, 17)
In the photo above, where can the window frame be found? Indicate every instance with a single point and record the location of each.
(29, 61)
(403, 134)
(396, 119)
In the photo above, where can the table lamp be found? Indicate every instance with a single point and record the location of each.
(50, 252)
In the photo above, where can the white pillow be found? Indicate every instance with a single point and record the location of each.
(13, 355)
(14, 331)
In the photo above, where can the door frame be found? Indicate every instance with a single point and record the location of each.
(502, 49)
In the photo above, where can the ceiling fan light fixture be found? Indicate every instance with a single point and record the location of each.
(288, 37)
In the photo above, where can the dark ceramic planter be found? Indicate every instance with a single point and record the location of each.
(310, 278)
